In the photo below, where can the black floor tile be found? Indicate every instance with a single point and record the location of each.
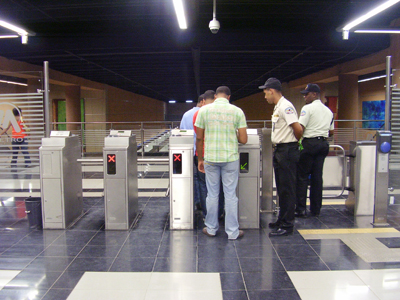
(327, 250)
(235, 295)
(217, 251)
(232, 281)
(100, 251)
(122, 264)
(174, 250)
(386, 265)
(290, 294)
(20, 293)
(293, 250)
(132, 251)
(57, 294)
(62, 250)
(289, 239)
(145, 238)
(175, 264)
(34, 279)
(13, 263)
(304, 264)
(112, 238)
(346, 263)
(267, 280)
(97, 264)
(23, 251)
(392, 242)
(261, 264)
(76, 237)
(68, 280)
(47, 263)
(213, 264)
(42, 237)
(263, 250)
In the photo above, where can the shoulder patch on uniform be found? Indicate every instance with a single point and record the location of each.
(289, 111)
(303, 113)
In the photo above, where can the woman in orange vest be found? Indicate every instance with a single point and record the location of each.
(19, 140)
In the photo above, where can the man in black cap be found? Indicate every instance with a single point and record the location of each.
(317, 122)
(286, 131)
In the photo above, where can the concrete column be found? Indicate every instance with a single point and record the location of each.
(348, 102)
(73, 105)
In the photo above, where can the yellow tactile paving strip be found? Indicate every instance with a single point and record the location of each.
(346, 231)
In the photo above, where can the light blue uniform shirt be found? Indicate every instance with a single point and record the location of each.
(187, 122)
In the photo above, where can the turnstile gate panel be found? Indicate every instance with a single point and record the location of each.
(181, 179)
(60, 180)
(120, 180)
(249, 181)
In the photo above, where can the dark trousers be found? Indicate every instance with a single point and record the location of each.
(285, 161)
(20, 144)
(201, 181)
(310, 165)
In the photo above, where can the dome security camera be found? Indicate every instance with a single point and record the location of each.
(214, 26)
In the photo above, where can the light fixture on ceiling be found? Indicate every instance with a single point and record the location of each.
(390, 31)
(189, 101)
(9, 36)
(13, 82)
(180, 13)
(373, 78)
(346, 29)
(21, 32)
(172, 101)
(214, 23)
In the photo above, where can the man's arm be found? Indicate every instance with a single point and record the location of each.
(242, 135)
(331, 132)
(4, 130)
(297, 130)
(199, 148)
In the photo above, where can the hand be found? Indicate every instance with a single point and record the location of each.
(201, 166)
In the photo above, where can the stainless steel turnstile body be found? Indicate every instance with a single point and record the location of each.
(362, 178)
(120, 180)
(181, 179)
(249, 182)
(60, 180)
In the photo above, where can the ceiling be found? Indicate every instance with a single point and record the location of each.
(137, 45)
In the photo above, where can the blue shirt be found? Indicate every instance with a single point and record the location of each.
(187, 122)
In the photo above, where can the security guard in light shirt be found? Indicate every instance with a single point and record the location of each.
(286, 131)
(317, 122)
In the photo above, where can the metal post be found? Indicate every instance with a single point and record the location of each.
(46, 98)
(142, 138)
(387, 93)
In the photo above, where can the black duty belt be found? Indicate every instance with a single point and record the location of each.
(316, 138)
(282, 145)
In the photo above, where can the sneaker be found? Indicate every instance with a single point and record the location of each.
(241, 234)
(206, 232)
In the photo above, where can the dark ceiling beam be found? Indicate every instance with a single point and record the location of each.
(196, 68)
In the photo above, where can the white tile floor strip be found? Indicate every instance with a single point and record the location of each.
(6, 276)
(347, 285)
(147, 286)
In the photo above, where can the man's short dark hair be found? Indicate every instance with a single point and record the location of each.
(16, 111)
(201, 98)
(224, 90)
(210, 94)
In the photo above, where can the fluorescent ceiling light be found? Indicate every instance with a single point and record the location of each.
(8, 36)
(18, 30)
(13, 82)
(365, 17)
(180, 13)
(172, 101)
(373, 78)
(189, 101)
(377, 31)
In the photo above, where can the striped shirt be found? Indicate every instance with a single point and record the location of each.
(220, 120)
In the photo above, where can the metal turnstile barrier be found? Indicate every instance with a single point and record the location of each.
(362, 178)
(120, 179)
(60, 180)
(248, 189)
(181, 179)
(335, 172)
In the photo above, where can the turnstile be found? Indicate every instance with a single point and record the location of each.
(181, 179)
(120, 179)
(249, 182)
(362, 178)
(60, 180)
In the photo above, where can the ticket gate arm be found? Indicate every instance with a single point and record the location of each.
(344, 171)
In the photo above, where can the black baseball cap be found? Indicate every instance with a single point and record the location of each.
(311, 87)
(272, 83)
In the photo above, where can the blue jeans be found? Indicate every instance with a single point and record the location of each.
(229, 172)
(20, 144)
(202, 187)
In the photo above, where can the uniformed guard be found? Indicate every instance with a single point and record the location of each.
(317, 122)
(286, 131)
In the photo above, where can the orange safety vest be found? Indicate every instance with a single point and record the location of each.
(21, 133)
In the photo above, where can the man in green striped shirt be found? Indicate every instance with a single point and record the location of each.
(223, 125)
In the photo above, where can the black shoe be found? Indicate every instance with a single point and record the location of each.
(275, 224)
(281, 231)
(300, 214)
(313, 214)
